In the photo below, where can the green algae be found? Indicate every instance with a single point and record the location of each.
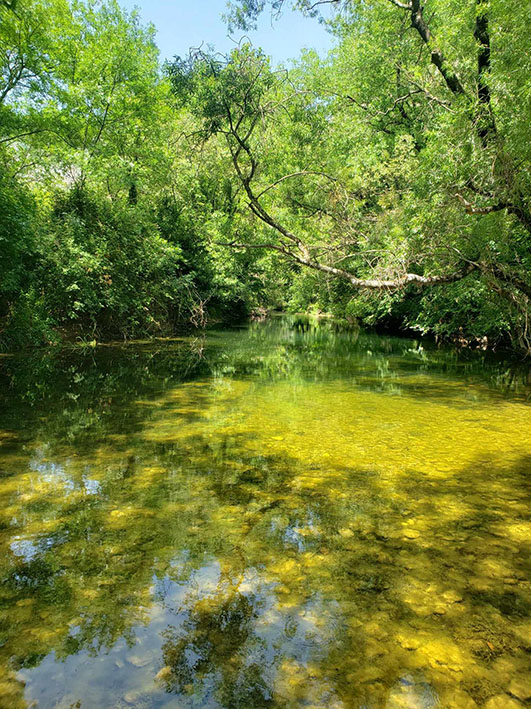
(285, 516)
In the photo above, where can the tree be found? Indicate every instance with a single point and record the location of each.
(439, 83)
(471, 43)
(233, 98)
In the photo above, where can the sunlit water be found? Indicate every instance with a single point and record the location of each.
(278, 516)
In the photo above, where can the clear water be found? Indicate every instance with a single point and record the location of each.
(277, 516)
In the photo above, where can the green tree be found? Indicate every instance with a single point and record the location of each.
(438, 101)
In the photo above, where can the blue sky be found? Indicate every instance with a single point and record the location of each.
(182, 24)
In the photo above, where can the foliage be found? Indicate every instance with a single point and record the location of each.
(106, 229)
(425, 161)
(388, 183)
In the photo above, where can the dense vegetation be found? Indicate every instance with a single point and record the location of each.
(388, 183)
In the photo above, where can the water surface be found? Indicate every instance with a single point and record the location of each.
(278, 516)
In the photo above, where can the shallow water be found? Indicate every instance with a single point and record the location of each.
(277, 516)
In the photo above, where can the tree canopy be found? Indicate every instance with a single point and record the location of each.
(388, 182)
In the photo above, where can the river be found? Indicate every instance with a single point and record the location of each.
(278, 515)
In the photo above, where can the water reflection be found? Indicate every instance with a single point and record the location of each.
(283, 516)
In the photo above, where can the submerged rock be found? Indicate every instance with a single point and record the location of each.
(452, 596)
(346, 532)
(408, 693)
(164, 674)
(132, 697)
(502, 701)
(443, 652)
(138, 660)
(457, 699)
(408, 642)
(521, 687)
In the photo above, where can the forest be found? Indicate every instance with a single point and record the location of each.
(387, 184)
(264, 357)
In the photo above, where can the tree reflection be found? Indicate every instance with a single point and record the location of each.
(214, 650)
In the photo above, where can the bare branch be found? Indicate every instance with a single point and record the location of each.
(365, 283)
(418, 21)
(473, 209)
(23, 135)
(295, 174)
(323, 2)
(401, 5)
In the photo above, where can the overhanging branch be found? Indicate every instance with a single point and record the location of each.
(437, 58)
(488, 209)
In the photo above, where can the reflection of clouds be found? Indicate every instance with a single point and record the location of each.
(305, 633)
(292, 536)
(199, 584)
(232, 635)
(92, 487)
(54, 474)
(412, 693)
(50, 472)
(24, 548)
(302, 533)
(29, 550)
